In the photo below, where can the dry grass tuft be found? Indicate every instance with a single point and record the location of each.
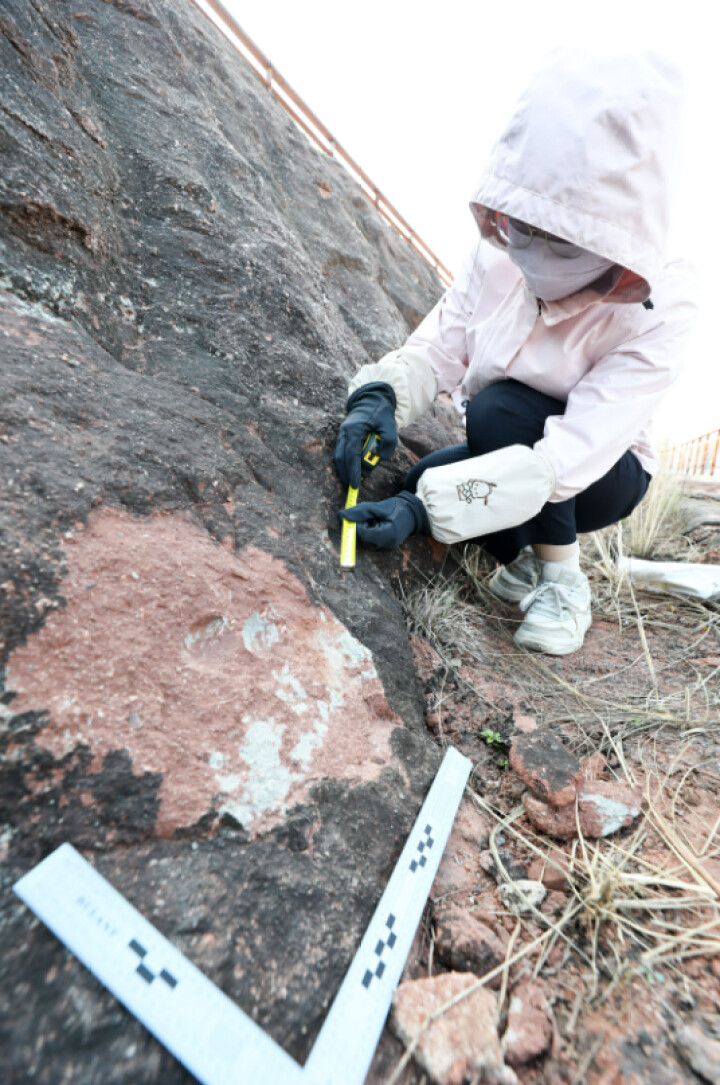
(657, 523)
(627, 912)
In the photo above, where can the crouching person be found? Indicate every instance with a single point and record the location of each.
(548, 341)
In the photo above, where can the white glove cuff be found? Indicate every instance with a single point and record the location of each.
(410, 377)
(485, 494)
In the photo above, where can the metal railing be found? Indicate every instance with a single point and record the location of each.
(316, 130)
(701, 456)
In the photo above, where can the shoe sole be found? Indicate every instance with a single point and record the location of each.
(537, 641)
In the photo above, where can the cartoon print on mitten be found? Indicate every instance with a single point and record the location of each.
(475, 489)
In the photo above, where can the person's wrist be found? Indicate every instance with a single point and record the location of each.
(374, 390)
(418, 511)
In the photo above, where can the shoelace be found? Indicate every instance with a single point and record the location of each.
(548, 599)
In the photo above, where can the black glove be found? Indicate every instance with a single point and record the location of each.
(383, 525)
(371, 409)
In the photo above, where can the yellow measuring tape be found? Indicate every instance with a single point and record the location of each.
(348, 538)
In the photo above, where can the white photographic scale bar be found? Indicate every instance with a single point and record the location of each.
(191, 1017)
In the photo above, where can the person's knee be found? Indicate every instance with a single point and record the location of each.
(493, 421)
(507, 413)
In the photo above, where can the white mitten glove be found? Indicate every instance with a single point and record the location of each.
(411, 379)
(486, 493)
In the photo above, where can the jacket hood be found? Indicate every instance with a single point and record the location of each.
(588, 156)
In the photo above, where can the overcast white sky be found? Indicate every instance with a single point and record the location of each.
(418, 91)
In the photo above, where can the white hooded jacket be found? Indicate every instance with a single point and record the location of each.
(587, 156)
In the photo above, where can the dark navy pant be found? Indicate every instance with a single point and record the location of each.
(510, 413)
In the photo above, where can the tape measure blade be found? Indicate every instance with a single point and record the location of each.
(213, 1038)
(348, 535)
(344, 1049)
(348, 544)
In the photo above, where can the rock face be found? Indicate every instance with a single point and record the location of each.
(194, 692)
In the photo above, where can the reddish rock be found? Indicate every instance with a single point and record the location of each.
(530, 1027)
(426, 658)
(464, 944)
(187, 653)
(696, 967)
(487, 863)
(602, 809)
(554, 903)
(560, 822)
(458, 870)
(433, 723)
(494, 921)
(546, 767)
(594, 768)
(547, 819)
(461, 1043)
(557, 954)
(608, 805)
(545, 869)
(526, 724)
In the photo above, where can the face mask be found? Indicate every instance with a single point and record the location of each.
(551, 277)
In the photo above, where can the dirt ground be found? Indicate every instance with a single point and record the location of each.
(627, 941)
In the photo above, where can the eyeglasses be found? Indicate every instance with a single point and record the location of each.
(519, 235)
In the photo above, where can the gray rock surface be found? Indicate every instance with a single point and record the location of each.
(186, 286)
(700, 1052)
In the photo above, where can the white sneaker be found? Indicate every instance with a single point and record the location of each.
(557, 612)
(513, 582)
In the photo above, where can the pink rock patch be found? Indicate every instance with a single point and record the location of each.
(213, 669)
